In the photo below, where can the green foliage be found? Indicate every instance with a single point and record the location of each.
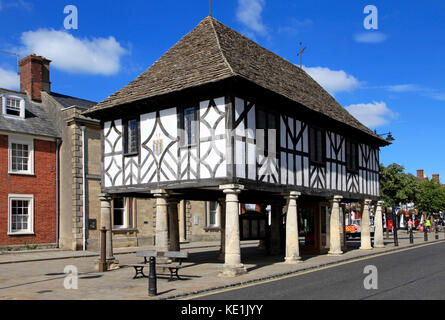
(431, 197)
(30, 246)
(396, 186)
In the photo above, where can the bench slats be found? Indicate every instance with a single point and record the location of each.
(167, 254)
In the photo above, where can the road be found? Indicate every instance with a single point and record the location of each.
(410, 274)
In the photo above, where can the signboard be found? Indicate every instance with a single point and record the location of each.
(92, 224)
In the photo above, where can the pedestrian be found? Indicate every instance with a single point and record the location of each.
(410, 225)
(428, 225)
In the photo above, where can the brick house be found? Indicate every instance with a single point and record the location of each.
(28, 160)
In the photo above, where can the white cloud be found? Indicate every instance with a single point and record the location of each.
(294, 26)
(249, 13)
(438, 96)
(16, 4)
(370, 37)
(404, 88)
(9, 79)
(372, 115)
(333, 81)
(68, 53)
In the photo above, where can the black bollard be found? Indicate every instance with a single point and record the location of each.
(437, 233)
(411, 236)
(425, 233)
(152, 286)
(103, 250)
(396, 238)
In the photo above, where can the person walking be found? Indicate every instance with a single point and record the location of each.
(428, 225)
(410, 225)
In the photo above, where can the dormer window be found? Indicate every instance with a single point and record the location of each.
(13, 106)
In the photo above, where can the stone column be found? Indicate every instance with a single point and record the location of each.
(334, 235)
(232, 266)
(182, 222)
(292, 239)
(161, 233)
(328, 228)
(173, 224)
(263, 210)
(378, 226)
(275, 227)
(222, 250)
(106, 221)
(365, 227)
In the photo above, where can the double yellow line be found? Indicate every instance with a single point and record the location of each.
(297, 274)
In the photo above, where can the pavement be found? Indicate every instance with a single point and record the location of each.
(41, 275)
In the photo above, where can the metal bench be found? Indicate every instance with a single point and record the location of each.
(173, 267)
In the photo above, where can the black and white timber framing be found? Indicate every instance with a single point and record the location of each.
(228, 150)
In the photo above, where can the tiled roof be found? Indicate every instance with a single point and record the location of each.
(213, 52)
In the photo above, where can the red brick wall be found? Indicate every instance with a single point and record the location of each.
(42, 185)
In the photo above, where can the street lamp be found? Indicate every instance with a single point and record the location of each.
(388, 135)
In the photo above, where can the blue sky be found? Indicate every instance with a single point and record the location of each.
(390, 78)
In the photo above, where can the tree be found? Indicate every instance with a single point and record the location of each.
(431, 197)
(396, 186)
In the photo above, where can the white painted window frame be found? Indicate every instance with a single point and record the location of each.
(22, 106)
(26, 141)
(22, 197)
(128, 205)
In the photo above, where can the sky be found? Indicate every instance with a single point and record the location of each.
(384, 64)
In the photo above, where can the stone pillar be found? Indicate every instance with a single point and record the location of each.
(365, 227)
(232, 266)
(292, 239)
(378, 226)
(222, 250)
(334, 235)
(275, 227)
(182, 222)
(106, 221)
(328, 228)
(173, 224)
(263, 210)
(161, 233)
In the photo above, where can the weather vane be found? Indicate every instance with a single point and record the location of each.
(300, 54)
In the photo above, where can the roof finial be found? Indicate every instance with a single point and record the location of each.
(300, 54)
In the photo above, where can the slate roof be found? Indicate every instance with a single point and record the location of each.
(213, 52)
(36, 122)
(67, 101)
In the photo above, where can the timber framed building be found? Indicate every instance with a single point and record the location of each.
(220, 118)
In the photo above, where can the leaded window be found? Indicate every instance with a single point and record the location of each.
(317, 145)
(131, 137)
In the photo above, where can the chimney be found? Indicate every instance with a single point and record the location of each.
(34, 76)
(436, 178)
(420, 174)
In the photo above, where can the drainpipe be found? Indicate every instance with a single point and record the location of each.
(58, 143)
(84, 180)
